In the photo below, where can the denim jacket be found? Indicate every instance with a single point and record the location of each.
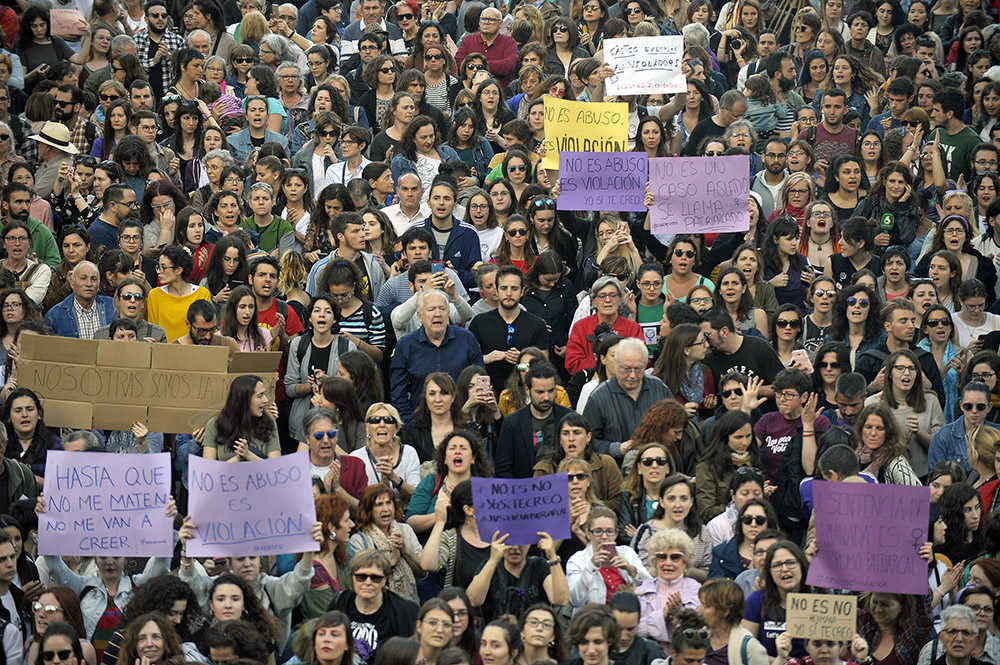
(241, 146)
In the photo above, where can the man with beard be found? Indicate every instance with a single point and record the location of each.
(780, 68)
(434, 347)
(119, 204)
(766, 45)
(84, 311)
(156, 47)
(454, 242)
(67, 103)
(898, 94)
(203, 328)
(767, 183)
(508, 328)
(54, 148)
(529, 434)
(16, 202)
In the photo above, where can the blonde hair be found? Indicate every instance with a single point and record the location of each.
(388, 408)
(968, 213)
(253, 27)
(646, 29)
(291, 271)
(582, 466)
(533, 16)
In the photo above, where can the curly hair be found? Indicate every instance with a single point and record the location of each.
(366, 505)
(129, 650)
(481, 464)
(159, 595)
(952, 512)
(873, 325)
(331, 509)
(254, 612)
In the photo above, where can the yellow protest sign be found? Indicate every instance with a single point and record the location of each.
(822, 616)
(583, 127)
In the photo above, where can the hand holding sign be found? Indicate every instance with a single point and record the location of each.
(497, 547)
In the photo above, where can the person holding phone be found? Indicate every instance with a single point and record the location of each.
(602, 568)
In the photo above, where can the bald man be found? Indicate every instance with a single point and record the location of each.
(500, 49)
(84, 311)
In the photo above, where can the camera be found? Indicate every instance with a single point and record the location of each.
(737, 44)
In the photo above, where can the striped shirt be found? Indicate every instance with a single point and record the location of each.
(355, 324)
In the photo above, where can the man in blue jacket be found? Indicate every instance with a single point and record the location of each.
(83, 312)
(460, 240)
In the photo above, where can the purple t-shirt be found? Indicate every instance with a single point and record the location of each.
(769, 628)
(774, 433)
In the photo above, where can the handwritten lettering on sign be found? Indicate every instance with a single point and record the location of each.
(645, 65)
(522, 507)
(603, 181)
(699, 194)
(106, 505)
(822, 617)
(583, 127)
(250, 508)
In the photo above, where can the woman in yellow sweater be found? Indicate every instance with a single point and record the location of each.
(167, 305)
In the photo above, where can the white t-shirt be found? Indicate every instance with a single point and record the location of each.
(489, 240)
(967, 333)
(407, 468)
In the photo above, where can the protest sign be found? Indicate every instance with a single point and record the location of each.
(699, 194)
(109, 385)
(645, 65)
(251, 508)
(868, 535)
(106, 505)
(522, 507)
(583, 127)
(66, 22)
(822, 617)
(602, 181)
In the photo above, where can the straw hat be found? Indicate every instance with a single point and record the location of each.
(56, 134)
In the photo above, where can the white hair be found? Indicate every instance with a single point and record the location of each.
(959, 613)
(695, 34)
(198, 33)
(630, 346)
(83, 264)
(422, 297)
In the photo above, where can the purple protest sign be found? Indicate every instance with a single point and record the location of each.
(522, 507)
(106, 505)
(251, 508)
(603, 181)
(868, 535)
(699, 194)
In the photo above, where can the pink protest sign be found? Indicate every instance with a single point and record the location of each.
(97, 504)
(602, 181)
(251, 508)
(699, 194)
(522, 507)
(868, 535)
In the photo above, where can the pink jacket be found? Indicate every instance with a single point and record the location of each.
(653, 623)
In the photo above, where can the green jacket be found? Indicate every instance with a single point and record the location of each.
(273, 235)
(20, 480)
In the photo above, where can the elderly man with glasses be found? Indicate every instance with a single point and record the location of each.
(500, 49)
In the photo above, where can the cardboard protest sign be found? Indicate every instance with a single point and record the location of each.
(821, 616)
(251, 508)
(699, 194)
(868, 535)
(106, 505)
(522, 507)
(110, 385)
(65, 22)
(645, 65)
(603, 181)
(583, 127)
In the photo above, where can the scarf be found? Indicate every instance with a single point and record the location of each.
(693, 385)
(401, 580)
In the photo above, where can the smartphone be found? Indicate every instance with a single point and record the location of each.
(609, 550)
(483, 382)
(802, 358)
(233, 283)
(622, 226)
(436, 267)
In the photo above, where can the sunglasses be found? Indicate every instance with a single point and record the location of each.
(383, 420)
(108, 98)
(788, 323)
(860, 302)
(132, 297)
(62, 654)
(328, 133)
(387, 70)
(726, 394)
(833, 365)
(517, 167)
(517, 232)
(49, 609)
(546, 204)
(474, 67)
(330, 433)
(978, 408)
(242, 61)
(688, 253)
(578, 476)
(939, 323)
(757, 520)
(368, 577)
(559, 28)
(650, 461)
(819, 293)
(433, 56)
(404, 17)
(673, 556)
(633, 10)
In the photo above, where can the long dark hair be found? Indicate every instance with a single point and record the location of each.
(780, 227)
(467, 641)
(461, 496)
(159, 595)
(365, 377)
(215, 276)
(773, 608)
(951, 506)
(873, 324)
(42, 439)
(692, 525)
(718, 454)
(235, 421)
(446, 384)
(331, 620)
(108, 139)
(229, 325)
(253, 611)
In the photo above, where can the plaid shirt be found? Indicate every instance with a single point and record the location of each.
(87, 320)
(147, 50)
(78, 135)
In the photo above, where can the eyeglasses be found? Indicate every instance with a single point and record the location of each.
(369, 577)
(328, 434)
(684, 253)
(602, 532)
(538, 623)
(981, 609)
(983, 376)
(381, 420)
(204, 331)
(61, 654)
(673, 556)
(939, 323)
(798, 192)
(787, 394)
(12, 306)
(517, 232)
(434, 624)
(610, 295)
(860, 302)
(758, 520)
(479, 206)
(48, 609)
(488, 19)
(703, 300)
(870, 144)
(368, 47)
(578, 476)
(132, 297)
(650, 461)
(824, 365)
(956, 632)
(905, 369)
(289, 77)
(699, 342)
(978, 408)
(16, 239)
(821, 214)
(787, 564)
(726, 394)
(788, 323)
